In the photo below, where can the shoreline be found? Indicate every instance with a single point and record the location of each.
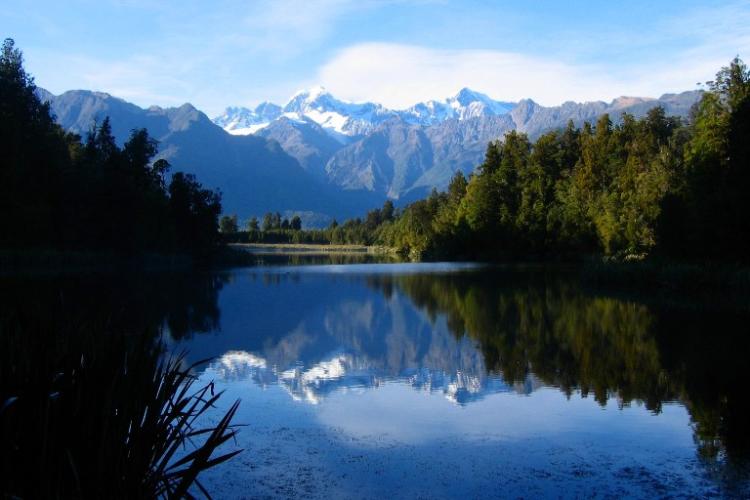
(664, 275)
(309, 249)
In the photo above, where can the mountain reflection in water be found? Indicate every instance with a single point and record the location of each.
(474, 332)
(346, 371)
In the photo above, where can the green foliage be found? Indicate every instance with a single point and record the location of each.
(577, 338)
(717, 171)
(625, 190)
(228, 224)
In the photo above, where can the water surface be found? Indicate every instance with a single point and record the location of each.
(448, 380)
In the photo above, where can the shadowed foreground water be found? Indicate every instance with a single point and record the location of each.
(450, 380)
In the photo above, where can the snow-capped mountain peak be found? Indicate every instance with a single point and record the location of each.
(244, 121)
(337, 116)
(348, 119)
(470, 104)
(268, 110)
(466, 96)
(314, 98)
(465, 104)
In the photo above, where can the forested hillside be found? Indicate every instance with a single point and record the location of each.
(658, 184)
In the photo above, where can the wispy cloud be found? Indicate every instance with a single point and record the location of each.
(399, 75)
(242, 53)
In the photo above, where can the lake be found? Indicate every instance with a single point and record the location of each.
(448, 380)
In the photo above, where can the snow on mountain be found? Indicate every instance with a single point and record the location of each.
(467, 103)
(402, 154)
(244, 121)
(335, 115)
(346, 119)
(350, 371)
(464, 105)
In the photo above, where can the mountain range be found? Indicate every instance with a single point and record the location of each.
(403, 154)
(323, 157)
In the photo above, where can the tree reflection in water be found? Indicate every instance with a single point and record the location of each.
(578, 339)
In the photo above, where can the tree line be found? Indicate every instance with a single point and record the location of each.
(274, 229)
(658, 185)
(60, 192)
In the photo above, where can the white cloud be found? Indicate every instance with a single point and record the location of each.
(686, 49)
(401, 75)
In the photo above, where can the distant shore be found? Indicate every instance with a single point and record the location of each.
(310, 248)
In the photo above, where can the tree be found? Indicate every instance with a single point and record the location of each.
(195, 212)
(481, 205)
(387, 212)
(513, 161)
(373, 219)
(34, 155)
(717, 172)
(457, 187)
(228, 224)
(159, 171)
(491, 159)
(268, 222)
(536, 184)
(296, 223)
(252, 224)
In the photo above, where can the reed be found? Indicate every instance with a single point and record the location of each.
(89, 412)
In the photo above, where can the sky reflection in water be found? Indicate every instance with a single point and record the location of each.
(517, 367)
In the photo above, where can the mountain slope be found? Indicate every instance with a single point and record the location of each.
(254, 174)
(305, 141)
(388, 161)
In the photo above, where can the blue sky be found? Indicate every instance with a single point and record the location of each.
(220, 53)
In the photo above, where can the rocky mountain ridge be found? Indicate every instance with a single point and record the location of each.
(403, 154)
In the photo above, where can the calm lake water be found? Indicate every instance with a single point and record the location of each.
(453, 380)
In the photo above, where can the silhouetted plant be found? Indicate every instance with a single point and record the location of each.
(99, 412)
